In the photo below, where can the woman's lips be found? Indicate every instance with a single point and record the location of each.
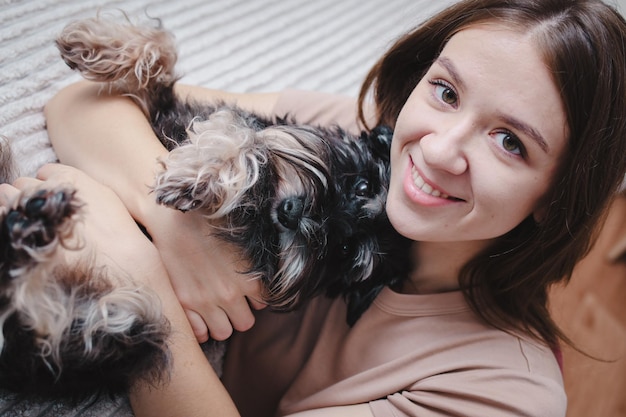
(425, 187)
(428, 188)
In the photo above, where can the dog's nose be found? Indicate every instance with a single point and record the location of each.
(290, 212)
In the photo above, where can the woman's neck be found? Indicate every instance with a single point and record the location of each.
(437, 266)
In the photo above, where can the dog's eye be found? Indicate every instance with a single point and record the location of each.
(345, 249)
(362, 188)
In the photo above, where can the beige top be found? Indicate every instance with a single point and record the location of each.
(408, 355)
(322, 109)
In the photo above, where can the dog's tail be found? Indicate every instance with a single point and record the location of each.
(134, 60)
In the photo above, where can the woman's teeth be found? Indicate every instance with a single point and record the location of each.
(419, 183)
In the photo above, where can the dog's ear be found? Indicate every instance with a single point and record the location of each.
(379, 141)
(214, 168)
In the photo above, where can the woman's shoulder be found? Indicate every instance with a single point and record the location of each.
(449, 359)
(320, 108)
(457, 331)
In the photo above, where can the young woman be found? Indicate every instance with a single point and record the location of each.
(510, 127)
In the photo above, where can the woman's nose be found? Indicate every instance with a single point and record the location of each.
(446, 148)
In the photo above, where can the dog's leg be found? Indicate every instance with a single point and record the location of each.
(133, 59)
(69, 330)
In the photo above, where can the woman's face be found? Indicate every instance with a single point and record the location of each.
(478, 141)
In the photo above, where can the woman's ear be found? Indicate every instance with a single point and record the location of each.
(540, 213)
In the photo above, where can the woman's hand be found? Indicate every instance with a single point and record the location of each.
(206, 274)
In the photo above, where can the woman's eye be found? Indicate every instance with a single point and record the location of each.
(445, 92)
(510, 143)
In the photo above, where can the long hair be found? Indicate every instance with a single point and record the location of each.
(583, 43)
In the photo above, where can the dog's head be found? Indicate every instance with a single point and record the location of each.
(307, 205)
(267, 189)
(364, 252)
(329, 231)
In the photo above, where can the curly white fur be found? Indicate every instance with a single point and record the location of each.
(219, 163)
(147, 53)
(53, 299)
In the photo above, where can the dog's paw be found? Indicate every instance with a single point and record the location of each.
(37, 223)
(180, 186)
(106, 51)
(175, 196)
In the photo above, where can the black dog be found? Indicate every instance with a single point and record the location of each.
(306, 206)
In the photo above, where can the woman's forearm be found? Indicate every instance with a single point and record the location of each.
(193, 388)
(110, 138)
(107, 137)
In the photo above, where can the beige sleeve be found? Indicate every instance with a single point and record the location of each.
(477, 389)
(317, 108)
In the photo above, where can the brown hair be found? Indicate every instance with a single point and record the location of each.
(583, 43)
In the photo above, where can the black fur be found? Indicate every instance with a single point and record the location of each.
(348, 216)
(347, 244)
(324, 233)
(39, 224)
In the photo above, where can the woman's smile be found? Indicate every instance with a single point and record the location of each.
(423, 191)
(477, 143)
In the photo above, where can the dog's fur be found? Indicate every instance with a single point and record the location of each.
(66, 327)
(305, 204)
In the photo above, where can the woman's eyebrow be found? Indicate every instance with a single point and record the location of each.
(528, 130)
(449, 66)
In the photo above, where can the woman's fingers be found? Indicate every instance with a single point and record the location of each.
(25, 183)
(199, 327)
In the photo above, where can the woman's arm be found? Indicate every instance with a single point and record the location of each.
(192, 388)
(107, 228)
(108, 137)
